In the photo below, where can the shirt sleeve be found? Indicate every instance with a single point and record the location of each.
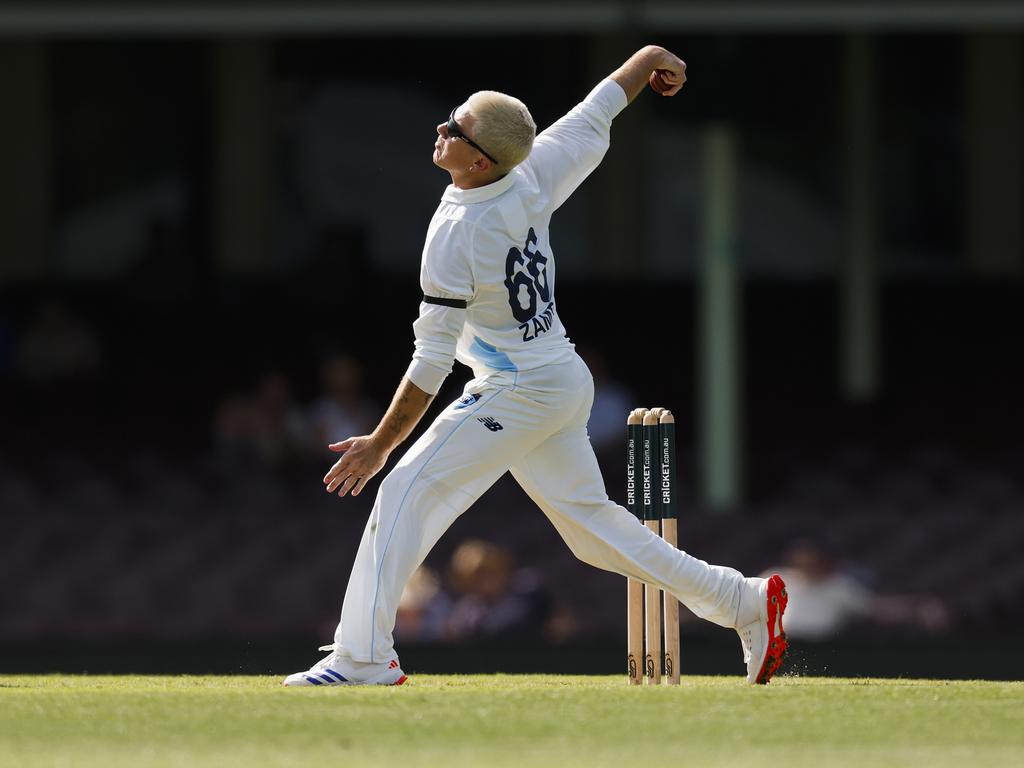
(566, 152)
(446, 273)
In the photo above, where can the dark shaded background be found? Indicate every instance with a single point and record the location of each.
(197, 215)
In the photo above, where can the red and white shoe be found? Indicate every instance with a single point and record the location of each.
(340, 670)
(764, 641)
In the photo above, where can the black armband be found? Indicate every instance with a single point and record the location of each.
(456, 303)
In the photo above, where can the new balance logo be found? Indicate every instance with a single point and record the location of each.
(467, 400)
(490, 423)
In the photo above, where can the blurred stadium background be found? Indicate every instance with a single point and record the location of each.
(211, 218)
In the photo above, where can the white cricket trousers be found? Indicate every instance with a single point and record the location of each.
(534, 424)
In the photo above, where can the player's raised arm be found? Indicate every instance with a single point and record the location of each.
(651, 65)
(568, 151)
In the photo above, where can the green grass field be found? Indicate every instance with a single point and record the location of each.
(499, 720)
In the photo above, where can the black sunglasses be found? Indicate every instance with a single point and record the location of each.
(454, 132)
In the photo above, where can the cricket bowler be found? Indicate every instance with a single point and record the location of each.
(488, 280)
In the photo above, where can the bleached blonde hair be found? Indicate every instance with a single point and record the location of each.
(503, 126)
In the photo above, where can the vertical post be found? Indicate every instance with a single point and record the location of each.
(720, 324)
(652, 519)
(244, 145)
(634, 588)
(995, 154)
(26, 153)
(669, 531)
(858, 344)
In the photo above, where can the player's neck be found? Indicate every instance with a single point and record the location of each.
(467, 180)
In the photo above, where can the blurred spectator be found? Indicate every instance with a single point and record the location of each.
(57, 346)
(612, 403)
(423, 609)
(280, 432)
(267, 427)
(493, 596)
(231, 428)
(823, 601)
(342, 410)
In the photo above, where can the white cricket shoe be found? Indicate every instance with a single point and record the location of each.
(764, 641)
(338, 670)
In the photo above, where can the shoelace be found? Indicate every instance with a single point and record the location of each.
(327, 660)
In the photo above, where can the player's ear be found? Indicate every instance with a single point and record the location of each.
(482, 164)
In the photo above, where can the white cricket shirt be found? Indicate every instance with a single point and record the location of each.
(489, 247)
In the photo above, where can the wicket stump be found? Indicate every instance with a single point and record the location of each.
(634, 588)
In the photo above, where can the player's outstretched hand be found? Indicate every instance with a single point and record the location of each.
(361, 459)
